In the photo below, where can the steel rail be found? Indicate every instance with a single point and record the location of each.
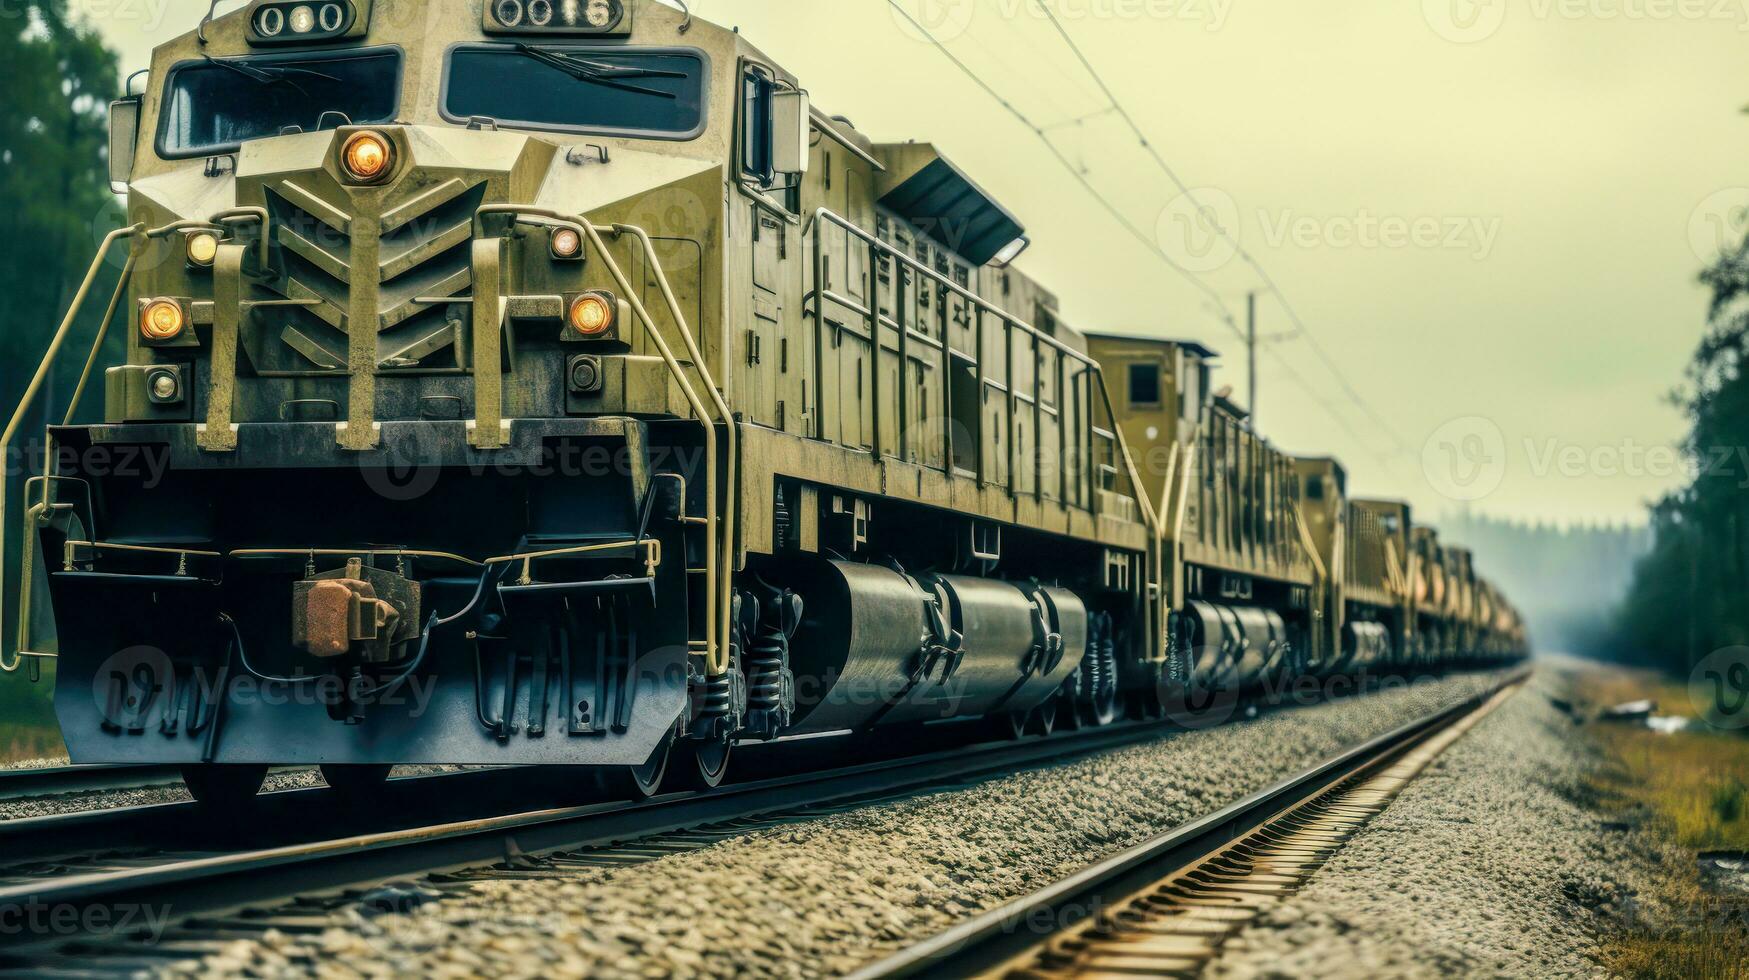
(218, 883)
(1000, 935)
(284, 872)
(275, 818)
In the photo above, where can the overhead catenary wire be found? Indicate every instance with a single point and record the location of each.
(1074, 171)
(1219, 306)
(1208, 215)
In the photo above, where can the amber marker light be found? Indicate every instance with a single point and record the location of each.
(366, 157)
(592, 314)
(161, 320)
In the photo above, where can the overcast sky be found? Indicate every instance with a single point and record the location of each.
(1490, 213)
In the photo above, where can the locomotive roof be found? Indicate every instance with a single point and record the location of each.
(928, 190)
(1189, 346)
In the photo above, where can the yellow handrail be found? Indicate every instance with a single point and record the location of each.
(18, 415)
(731, 492)
(716, 643)
(716, 609)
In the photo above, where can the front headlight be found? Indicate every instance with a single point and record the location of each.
(367, 157)
(203, 248)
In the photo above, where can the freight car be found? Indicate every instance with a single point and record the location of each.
(551, 383)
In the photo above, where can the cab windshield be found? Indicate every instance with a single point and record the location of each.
(214, 105)
(647, 92)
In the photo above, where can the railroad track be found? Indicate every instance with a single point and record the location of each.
(33, 849)
(1165, 908)
(216, 895)
(216, 898)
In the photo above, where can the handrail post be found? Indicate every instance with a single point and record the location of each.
(1013, 449)
(902, 319)
(874, 361)
(819, 331)
(24, 405)
(1038, 421)
(982, 462)
(716, 656)
(730, 426)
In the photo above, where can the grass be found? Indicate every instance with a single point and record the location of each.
(1694, 784)
(27, 720)
(1692, 790)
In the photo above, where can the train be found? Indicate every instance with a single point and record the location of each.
(550, 382)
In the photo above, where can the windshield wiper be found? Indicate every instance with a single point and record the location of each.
(268, 74)
(600, 73)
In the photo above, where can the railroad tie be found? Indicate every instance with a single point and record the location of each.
(1179, 926)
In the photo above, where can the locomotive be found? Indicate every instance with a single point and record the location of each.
(550, 382)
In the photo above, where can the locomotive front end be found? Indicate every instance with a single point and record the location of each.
(413, 457)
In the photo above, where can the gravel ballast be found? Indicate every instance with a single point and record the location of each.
(826, 895)
(1492, 863)
(278, 780)
(110, 799)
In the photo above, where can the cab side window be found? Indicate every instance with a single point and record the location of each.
(760, 93)
(757, 160)
(1145, 384)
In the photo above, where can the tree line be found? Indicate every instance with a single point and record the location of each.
(1688, 594)
(54, 181)
(1564, 579)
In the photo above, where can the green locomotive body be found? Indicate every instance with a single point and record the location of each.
(531, 382)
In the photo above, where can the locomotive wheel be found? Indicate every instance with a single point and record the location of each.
(699, 765)
(223, 786)
(355, 781)
(639, 782)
